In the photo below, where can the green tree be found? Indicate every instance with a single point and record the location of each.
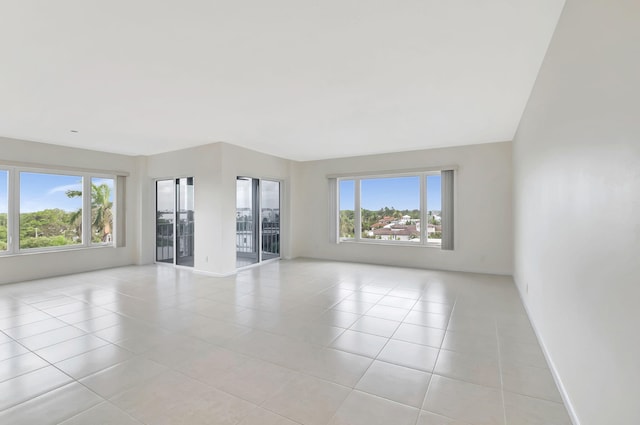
(3, 232)
(50, 227)
(347, 229)
(101, 211)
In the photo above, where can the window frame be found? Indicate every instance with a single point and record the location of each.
(114, 209)
(14, 202)
(422, 174)
(9, 205)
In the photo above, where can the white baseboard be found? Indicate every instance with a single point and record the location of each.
(552, 367)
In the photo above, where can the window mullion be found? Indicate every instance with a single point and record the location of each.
(357, 217)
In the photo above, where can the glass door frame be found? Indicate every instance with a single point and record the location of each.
(176, 214)
(257, 204)
(263, 207)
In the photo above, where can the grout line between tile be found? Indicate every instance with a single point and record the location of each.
(504, 406)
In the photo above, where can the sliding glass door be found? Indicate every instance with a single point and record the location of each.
(270, 208)
(184, 222)
(175, 209)
(165, 220)
(246, 218)
(257, 220)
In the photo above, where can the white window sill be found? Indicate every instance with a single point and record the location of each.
(66, 248)
(390, 243)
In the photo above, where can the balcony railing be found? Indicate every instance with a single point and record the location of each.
(270, 237)
(164, 239)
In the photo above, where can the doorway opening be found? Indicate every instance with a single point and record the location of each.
(175, 208)
(257, 220)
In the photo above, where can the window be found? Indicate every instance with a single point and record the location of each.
(102, 191)
(347, 208)
(413, 209)
(51, 210)
(390, 208)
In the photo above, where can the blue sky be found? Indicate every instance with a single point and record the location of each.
(401, 193)
(3, 191)
(43, 191)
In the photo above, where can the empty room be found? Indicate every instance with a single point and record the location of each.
(320, 213)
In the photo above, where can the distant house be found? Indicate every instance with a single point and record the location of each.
(243, 212)
(396, 232)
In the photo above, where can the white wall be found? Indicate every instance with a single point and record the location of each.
(577, 208)
(37, 265)
(483, 209)
(239, 161)
(202, 163)
(214, 168)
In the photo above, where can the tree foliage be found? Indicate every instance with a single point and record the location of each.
(3, 232)
(372, 217)
(101, 212)
(50, 227)
(347, 226)
(56, 227)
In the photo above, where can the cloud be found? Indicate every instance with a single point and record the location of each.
(101, 181)
(65, 188)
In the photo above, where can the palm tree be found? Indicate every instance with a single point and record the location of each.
(75, 219)
(101, 211)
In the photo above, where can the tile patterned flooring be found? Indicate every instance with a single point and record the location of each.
(291, 342)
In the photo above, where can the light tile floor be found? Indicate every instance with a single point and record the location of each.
(292, 342)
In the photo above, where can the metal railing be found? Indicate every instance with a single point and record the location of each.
(244, 238)
(245, 232)
(165, 240)
(271, 237)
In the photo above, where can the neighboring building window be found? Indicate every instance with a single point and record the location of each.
(404, 209)
(4, 209)
(51, 210)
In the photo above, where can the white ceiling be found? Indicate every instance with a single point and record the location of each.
(298, 79)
